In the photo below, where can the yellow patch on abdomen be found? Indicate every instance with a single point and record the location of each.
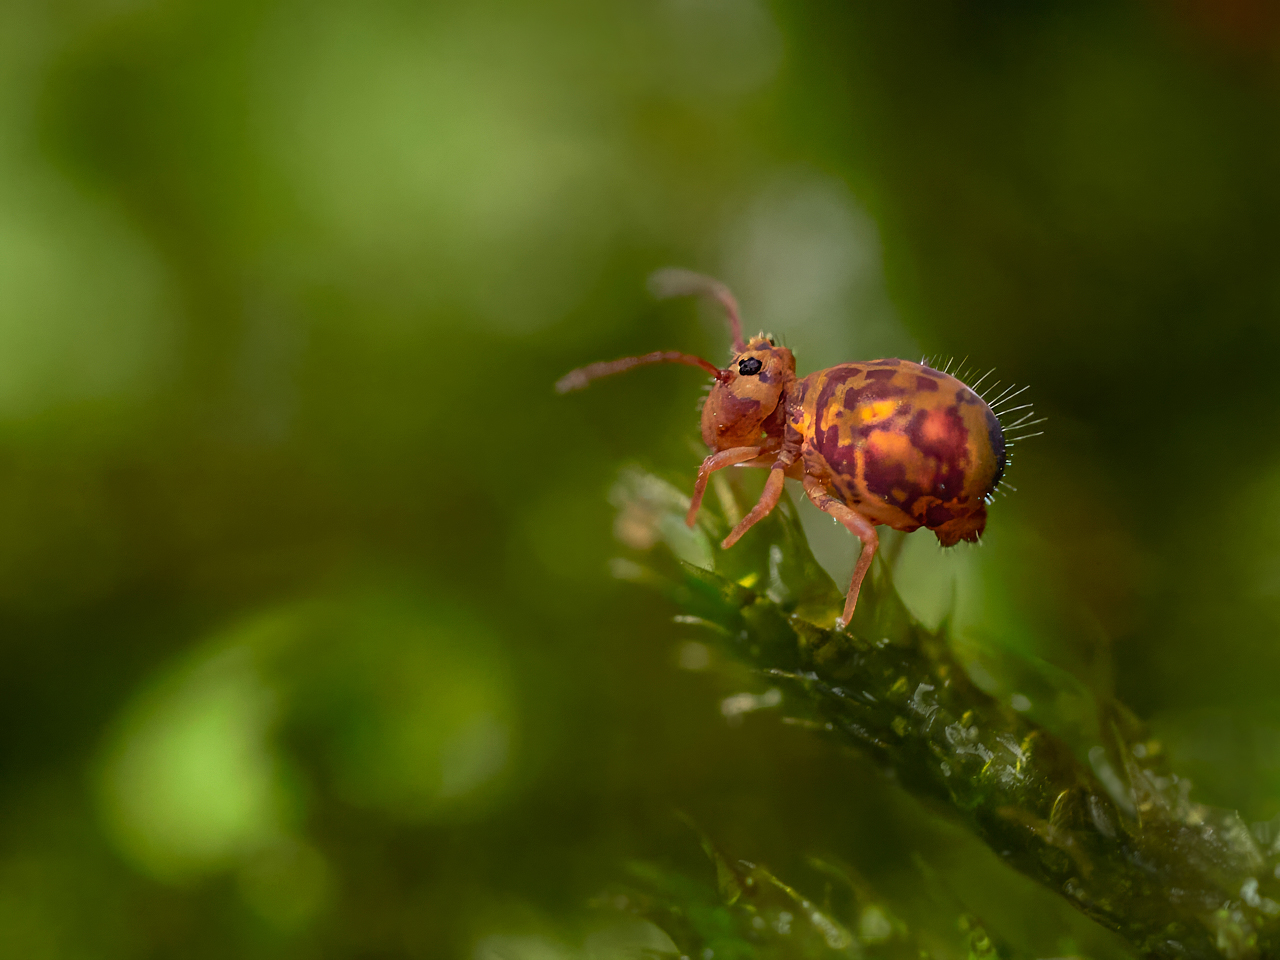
(877, 410)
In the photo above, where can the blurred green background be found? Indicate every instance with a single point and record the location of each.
(308, 641)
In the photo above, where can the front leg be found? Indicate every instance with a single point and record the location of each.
(855, 523)
(717, 461)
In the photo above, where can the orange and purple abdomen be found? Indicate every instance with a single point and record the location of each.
(904, 444)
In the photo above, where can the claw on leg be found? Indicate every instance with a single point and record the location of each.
(860, 527)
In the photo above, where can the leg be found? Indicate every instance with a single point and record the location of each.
(768, 500)
(859, 526)
(717, 461)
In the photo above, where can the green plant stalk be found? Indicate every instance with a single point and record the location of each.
(1175, 878)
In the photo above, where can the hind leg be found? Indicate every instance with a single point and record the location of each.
(859, 526)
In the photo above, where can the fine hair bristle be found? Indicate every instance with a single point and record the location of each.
(977, 383)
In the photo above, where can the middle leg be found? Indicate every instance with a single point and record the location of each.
(859, 526)
(768, 500)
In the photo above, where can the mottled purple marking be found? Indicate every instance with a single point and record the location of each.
(949, 450)
(937, 515)
(995, 434)
(883, 474)
(871, 392)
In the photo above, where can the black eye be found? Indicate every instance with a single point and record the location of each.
(750, 366)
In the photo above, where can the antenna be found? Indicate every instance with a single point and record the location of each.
(577, 379)
(675, 282)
